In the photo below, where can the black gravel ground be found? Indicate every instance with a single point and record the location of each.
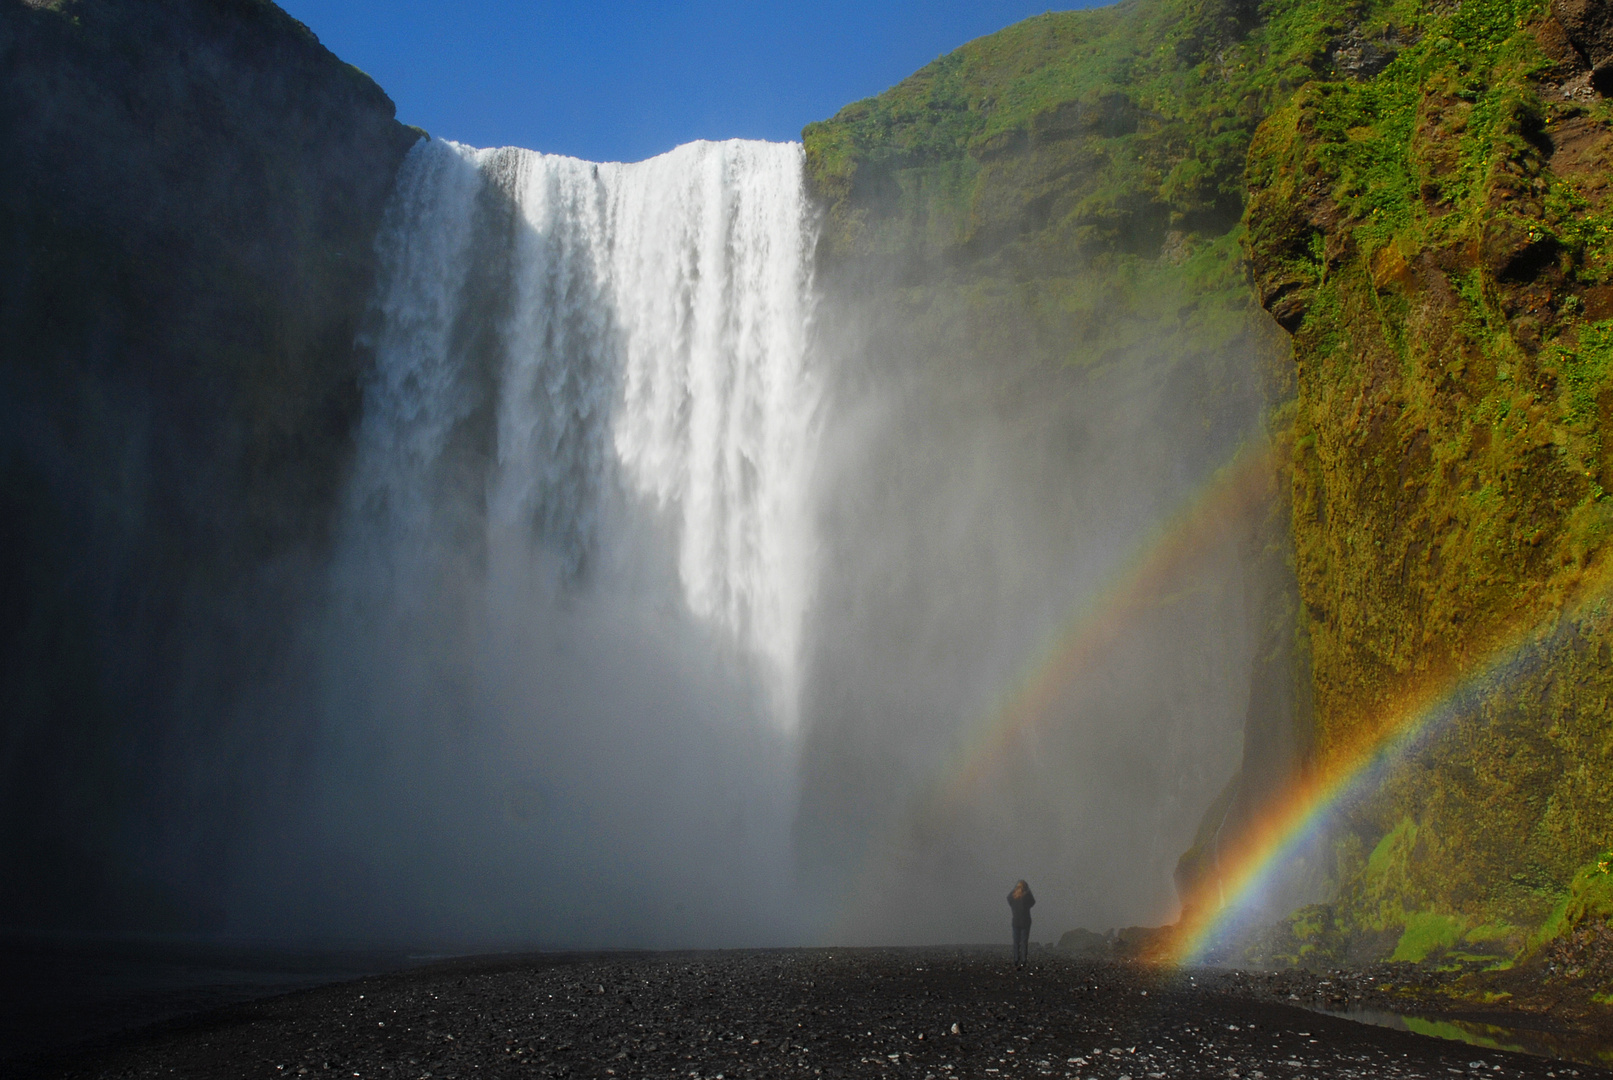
(932, 1014)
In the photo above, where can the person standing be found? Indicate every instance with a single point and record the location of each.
(1020, 901)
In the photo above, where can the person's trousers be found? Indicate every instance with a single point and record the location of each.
(1022, 943)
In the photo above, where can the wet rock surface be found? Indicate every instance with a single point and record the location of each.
(1386, 987)
(1521, 1008)
(937, 1014)
(1557, 990)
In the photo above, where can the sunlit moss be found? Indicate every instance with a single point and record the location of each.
(1425, 932)
(1450, 472)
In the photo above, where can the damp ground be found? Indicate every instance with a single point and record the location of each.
(1534, 1013)
(930, 1014)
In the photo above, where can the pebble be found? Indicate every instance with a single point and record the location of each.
(927, 1014)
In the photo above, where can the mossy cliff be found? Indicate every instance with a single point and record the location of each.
(1439, 240)
(1044, 224)
(1423, 200)
(187, 211)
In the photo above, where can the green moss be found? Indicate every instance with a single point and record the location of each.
(1450, 475)
(1426, 932)
(1589, 896)
(1583, 367)
(1097, 129)
(1392, 849)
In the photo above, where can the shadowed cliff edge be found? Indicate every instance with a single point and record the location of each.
(187, 215)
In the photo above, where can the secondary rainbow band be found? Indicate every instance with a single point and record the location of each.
(1230, 492)
(1228, 901)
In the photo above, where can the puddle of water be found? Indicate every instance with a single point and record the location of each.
(1565, 1046)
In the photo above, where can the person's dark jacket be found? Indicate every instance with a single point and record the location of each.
(1021, 906)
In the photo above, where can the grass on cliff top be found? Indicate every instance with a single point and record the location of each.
(1183, 82)
(1109, 141)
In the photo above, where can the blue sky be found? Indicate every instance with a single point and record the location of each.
(618, 81)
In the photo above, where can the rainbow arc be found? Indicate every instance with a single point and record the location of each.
(1251, 869)
(1228, 495)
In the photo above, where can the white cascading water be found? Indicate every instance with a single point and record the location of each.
(574, 558)
(646, 331)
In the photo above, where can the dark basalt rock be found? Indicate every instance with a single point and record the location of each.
(1359, 56)
(187, 211)
(1589, 25)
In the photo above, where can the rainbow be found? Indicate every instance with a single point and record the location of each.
(1231, 492)
(1231, 900)
(1248, 870)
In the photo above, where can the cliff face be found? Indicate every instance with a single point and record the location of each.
(187, 215)
(1040, 231)
(1423, 191)
(1438, 240)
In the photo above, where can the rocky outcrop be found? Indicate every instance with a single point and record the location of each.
(187, 210)
(1588, 25)
(1437, 239)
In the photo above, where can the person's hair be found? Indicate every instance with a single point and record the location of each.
(1020, 887)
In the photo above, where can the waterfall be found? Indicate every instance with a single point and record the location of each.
(561, 653)
(554, 337)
